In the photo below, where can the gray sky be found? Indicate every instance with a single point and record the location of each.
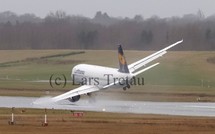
(115, 8)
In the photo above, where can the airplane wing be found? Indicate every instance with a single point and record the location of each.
(78, 91)
(137, 65)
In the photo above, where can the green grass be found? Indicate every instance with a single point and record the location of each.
(183, 69)
(177, 69)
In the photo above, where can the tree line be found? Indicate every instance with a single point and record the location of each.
(61, 31)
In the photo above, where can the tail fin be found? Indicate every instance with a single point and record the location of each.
(123, 68)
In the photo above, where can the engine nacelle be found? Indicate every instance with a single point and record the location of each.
(74, 99)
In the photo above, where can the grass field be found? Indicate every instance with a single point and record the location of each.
(96, 123)
(181, 76)
(182, 73)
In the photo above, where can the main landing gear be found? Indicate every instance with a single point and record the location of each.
(124, 88)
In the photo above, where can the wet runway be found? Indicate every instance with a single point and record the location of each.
(140, 107)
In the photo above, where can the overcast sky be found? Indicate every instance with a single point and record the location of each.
(115, 8)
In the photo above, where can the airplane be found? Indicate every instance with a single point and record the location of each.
(93, 78)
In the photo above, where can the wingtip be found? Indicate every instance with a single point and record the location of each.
(180, 41)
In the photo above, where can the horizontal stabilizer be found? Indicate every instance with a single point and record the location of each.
(147, 68)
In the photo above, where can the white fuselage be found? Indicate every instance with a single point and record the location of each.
(100, 76)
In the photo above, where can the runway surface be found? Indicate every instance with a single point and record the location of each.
(105, 105)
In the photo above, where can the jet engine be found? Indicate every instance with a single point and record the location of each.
(74, 99)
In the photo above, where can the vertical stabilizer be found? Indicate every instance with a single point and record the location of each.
(123, 68)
